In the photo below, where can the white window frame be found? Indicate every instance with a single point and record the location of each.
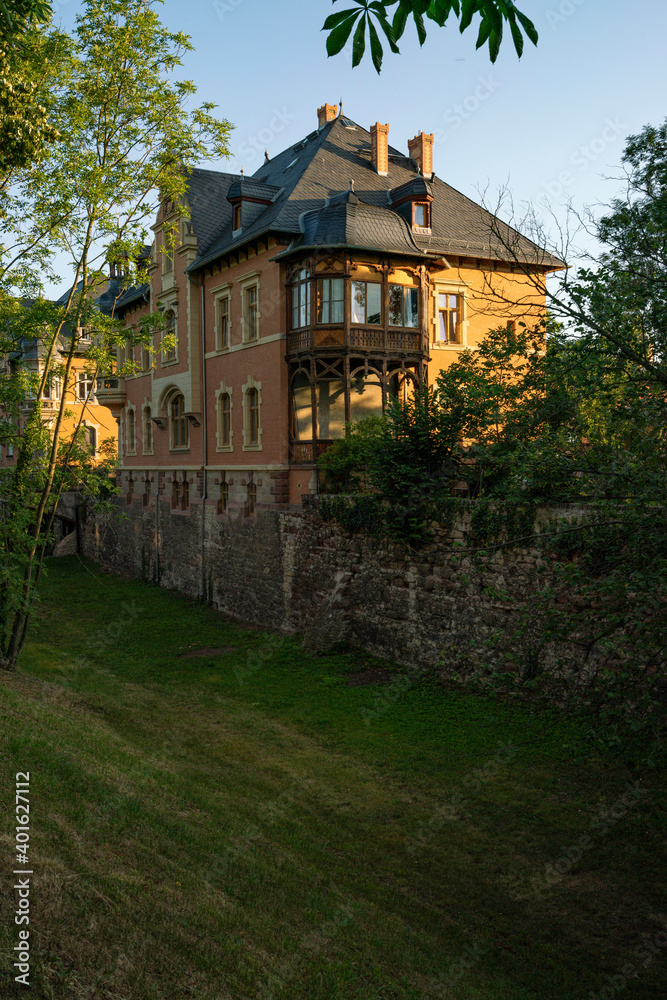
(181, 448)
(449, 288)
(220, 392)
(221, 294)
(248, 281)
(252, 383)
(90, 397)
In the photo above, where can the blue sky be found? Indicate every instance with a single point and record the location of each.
(552, 124)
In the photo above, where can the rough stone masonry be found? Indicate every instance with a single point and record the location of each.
(292, 571)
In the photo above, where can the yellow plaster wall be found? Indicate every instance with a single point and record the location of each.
(492, 297)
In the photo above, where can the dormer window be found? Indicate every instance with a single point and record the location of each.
(236, 217)
(421, 215)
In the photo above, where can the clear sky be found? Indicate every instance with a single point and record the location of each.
(552, 123)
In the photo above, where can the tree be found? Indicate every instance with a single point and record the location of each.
(29, 59)
(494, 15)
(17, 17)
(128, 138)
(580, 420)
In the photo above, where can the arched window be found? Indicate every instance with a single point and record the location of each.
(130, 489)
(148, 429)
(365, 394)
(179, 422)
(252, 409)
(225, 419)
(174, 493)
(147, 491)
(185, 494)
(92, 439)
(131, 431)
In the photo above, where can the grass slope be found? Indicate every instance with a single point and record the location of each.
(256, 823)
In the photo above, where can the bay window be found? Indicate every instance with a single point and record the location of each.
(366, 305)
(403, 306)
(301, 300)
(330, 302)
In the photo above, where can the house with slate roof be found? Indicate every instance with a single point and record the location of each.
(83, 408)
(340, 275)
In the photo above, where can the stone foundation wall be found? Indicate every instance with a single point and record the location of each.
(289, 570)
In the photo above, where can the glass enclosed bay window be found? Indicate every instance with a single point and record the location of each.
(403, 306)
(303, 408)
(366, 305)
(301, 301)
(330, 300)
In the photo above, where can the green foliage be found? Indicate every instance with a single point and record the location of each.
(128, 135)
(362, 513)
(406, 461)
(17, 17)
(450, 795)
(343, 465)
(573, 419)
(494, 15)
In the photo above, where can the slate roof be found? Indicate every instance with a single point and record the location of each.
(248, 187)
(347, 221)
(134, 294)
(320, 167)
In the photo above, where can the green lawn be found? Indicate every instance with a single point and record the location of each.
(257, 823)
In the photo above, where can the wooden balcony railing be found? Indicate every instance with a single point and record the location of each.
(364, 338)
(302, 451)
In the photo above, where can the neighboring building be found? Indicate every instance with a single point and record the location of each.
(80, 395)
(339, 275)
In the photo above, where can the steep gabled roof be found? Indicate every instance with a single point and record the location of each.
(321, 166)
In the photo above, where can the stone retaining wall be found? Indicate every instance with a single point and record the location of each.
(289, 570)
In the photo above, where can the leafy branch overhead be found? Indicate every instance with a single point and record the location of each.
(495, 16)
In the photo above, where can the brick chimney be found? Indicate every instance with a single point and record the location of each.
(421, 150)
(380, 148)
(326, 114)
